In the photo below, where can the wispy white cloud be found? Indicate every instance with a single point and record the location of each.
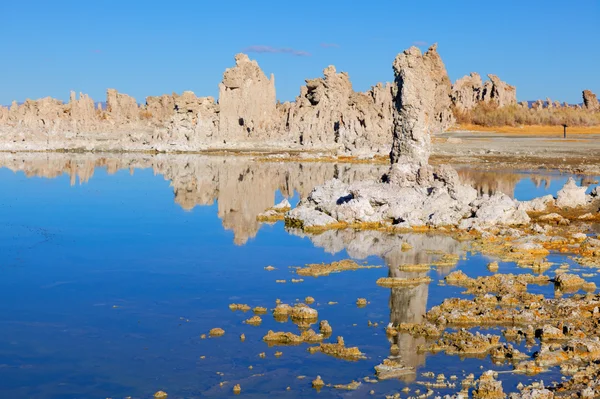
(330, 45)
(420, 43)
(274, 50)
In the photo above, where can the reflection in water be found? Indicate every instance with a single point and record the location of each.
(407, 304)
(242, 187)
(486, 182)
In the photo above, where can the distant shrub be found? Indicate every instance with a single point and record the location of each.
(514, 115)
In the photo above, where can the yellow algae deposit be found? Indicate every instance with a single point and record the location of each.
(216, 332)
(325, 269)
(289, 338)
(389, 282)
(415, 268)
(254, 320)
(239, 306)
(340, 350)
(259, 310)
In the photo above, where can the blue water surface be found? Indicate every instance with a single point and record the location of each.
(107, 286)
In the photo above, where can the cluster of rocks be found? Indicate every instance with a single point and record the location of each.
(590, 103)
(327, 115)
(469, 91)
(415, 194)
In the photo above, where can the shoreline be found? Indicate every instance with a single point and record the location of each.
(482, 150)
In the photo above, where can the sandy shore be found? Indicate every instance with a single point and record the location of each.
(577, 153)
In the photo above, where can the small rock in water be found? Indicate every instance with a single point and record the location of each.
(318, 383)
(216, 332)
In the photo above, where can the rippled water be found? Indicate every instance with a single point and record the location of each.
(111, 267)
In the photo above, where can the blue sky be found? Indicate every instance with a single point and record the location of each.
(545, 48)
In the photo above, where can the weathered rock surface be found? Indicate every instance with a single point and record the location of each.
(571, 195)
(327, 115)
(422, 104)
(590, 101)
(468, 92)
(247, 103)
(414, 193)
(330, 114)
(498, 92)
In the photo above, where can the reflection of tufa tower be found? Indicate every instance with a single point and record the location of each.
(408, 305)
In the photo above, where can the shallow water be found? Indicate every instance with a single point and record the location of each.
(111, 267)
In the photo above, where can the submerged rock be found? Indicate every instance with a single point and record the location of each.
(392, 368)
(340, 350)
(216, 332)
(288, 338)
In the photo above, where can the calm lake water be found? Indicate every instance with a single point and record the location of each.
(111, 267)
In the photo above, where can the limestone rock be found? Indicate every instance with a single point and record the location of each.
(159, 109)
(422, 104)
(120, 107)
(329, 113)
(308, 218)
(488, 387)
(498, 209)
(590, 101)
(498, 92)
(82, 111)
(195, 121)
(539, 204)
(571, 195)
(247, 103)
(467, 92)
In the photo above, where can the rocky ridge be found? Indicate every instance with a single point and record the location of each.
(415, 194)
(327, 115)
(469, 91)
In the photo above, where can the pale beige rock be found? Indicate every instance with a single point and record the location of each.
(498, 92)
(121, 108)
(422, 104)
(467, 92)
(590, 101)
(247, 103)
(159, 109)
(329, 114)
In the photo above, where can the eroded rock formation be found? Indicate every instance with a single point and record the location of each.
(327, 115)
(590, 101)
(247, 102)
(469, 91)
(330, 114)
(415, 194)
(421, 104)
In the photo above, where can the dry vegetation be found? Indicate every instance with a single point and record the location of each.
(490, 116)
